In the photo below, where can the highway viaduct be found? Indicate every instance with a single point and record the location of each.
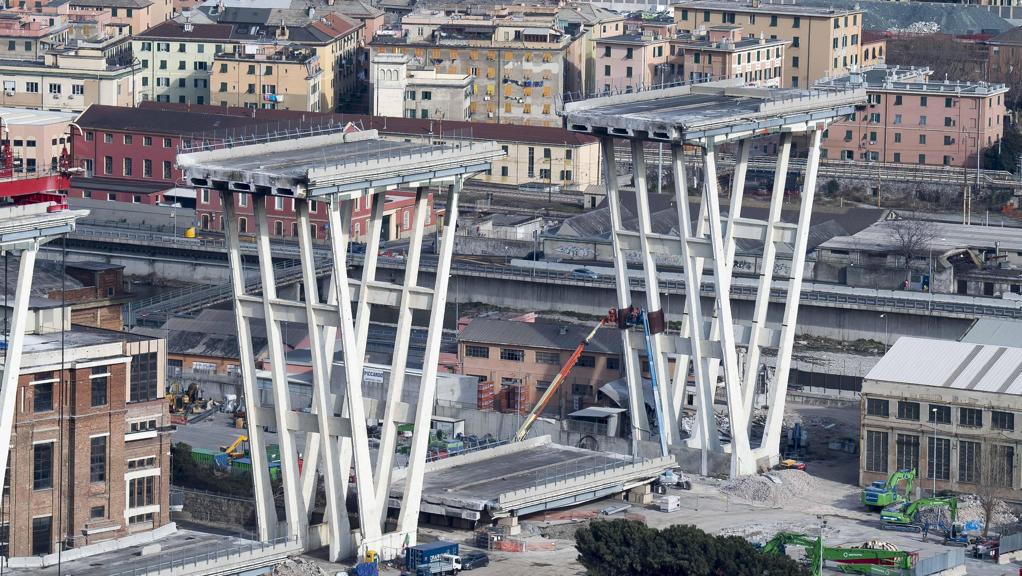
(827, 310)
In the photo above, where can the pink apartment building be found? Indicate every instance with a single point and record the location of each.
(912, 120)
(642, 59)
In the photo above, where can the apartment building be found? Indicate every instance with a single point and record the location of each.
(267, 76)
(399, 91)
(946, 409)
(90, 446)
(1004, 53)
(136, 15)
(913, 120)
(522, 358)
(632, 60)
(177, 58)
(68, 79)
(521, 65)
(23, 37)
(592, 23)
(874, 47)
(37, 138)
(824, 42)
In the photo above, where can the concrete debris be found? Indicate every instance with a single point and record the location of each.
(297, 567)
(970, 509)
(794, 484)
(918, 28)
(879, 545)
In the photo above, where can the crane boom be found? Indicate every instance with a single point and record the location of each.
(530, 419)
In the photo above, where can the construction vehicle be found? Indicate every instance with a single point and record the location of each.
(624, 319)
(866, 559)
(882, 494)
(904, 517)
(562, 374)
(651, 324)
(238, 448)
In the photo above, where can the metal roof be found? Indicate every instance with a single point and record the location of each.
(29, 117)
(946, 236)
(994, 331)
(950, 364)
(596, 412)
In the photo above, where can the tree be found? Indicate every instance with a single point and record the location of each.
(626, 547)
(832, 187)
(1005, 156)
(911, 238)
(995, 474)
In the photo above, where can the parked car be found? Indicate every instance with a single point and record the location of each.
(584, 274)
(474, 560)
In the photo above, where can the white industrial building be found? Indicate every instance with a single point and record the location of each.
(948, 410)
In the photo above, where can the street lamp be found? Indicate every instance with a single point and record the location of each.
(933, 455)
(887, 332)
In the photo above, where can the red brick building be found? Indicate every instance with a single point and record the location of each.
(90, 459)
(129, 156)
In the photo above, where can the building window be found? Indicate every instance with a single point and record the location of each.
(971, 417)
(42, 536)
(98, 384)
(42, 466)
(940, 414)
(512, 354)
(166, 169)
(949, 102)
(143, 377)
(908, 410)
(141, 491)
(166, 143)
(42, 393)
(32, 87)
(97, 512)
(55, 88)
(147, 140)
(613, 364)
(877, 407)
(586, 362)
(907, 452)
(968, 461)
(78, 89)
(939, 458)
(477, 351)
(876, 451)
(147, 168)
(108, 164)
(97, 459)
(127, 167)
(548, 358)
(1002, 420)
(794, 61)
(923, 100)
(1002, 466)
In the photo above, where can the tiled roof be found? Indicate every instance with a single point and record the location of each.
(187, 120)
(547, 335)
(172, 29)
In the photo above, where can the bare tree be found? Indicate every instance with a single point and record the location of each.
(995, 474)
(911, 238)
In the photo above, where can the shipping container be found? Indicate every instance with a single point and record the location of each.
(424, 553)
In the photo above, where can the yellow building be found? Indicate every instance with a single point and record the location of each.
(267, 76)
(521, 64)
(68, 80)
(177, 57)
(825, 42)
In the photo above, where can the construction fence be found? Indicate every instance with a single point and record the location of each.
(496, 538)
(1010, 543)
(944, 560)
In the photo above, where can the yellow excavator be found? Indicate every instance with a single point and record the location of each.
(238, 448)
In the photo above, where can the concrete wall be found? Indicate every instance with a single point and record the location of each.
(482, 246)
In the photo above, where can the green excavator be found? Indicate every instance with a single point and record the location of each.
(879, 561)
(904, 517)
(880, 494)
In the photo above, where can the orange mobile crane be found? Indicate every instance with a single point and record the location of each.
(557, 381)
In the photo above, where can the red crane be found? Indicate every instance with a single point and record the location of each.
(19, 190)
